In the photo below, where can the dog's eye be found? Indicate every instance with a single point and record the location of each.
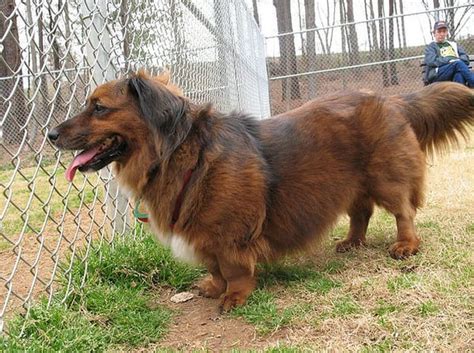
(99, 108)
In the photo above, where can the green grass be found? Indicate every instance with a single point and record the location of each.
(383, 308)
(345, 306)
(139, 264)
(115, 308)
(261, 310)
(32, 198)
(4, 245)
(404, 281)
(54, 329)
(431, 225)
(428, 308)
(470, 228)
(285, 274)
(321, 285)
(334, 266)
(386, 345)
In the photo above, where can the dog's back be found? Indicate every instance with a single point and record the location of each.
(326, 156)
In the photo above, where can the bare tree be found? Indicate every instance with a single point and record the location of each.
(125, 24)
(456, 18)
(342, 20)
(255, 12)
(328, 20)
(11, 86)
(353, 40)
(391, 46)
(310, 45)
(450, 14)
(375, 41)
(43, 61)
(404, 37)
(366, 7)
(382, 52)
(287, 49)
(58, 59)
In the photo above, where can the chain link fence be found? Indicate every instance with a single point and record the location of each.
(52, 55)
(381, 54)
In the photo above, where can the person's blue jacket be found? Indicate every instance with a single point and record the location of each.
(433, 59)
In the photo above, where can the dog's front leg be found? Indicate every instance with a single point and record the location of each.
(241, 281)
(214, 284)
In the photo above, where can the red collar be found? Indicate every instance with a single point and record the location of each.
(179, 200)
(143, 217)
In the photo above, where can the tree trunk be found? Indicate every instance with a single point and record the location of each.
(382, 53)
(436, 6)
(397, 22)
(125, 24)
(310, 46)
(255, 12)
(353, 40)
(33, 63)
(287, 49)
(43, 79)
(391, 50)
(329, 33)
(375, 40)
(324, 43)
(342, 20)
(57, 54)
(13, 128)
(404, 36)
(450, 18)
(371, 46)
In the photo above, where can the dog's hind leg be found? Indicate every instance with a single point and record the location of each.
(359, 213)
(407, 243)
(399, 203)
(240, 279)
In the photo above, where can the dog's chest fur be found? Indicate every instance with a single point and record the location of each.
(180, 248)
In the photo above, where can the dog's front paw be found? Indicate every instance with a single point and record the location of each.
(210, 287)
(402, 249)
(232, 300)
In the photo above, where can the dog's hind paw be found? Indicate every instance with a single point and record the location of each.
(403, 249)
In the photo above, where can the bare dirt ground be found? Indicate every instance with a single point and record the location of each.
(32, 267)
(199, 325)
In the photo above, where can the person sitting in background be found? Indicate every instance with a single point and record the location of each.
(446, 60)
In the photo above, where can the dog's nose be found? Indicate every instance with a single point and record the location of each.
(53, 135)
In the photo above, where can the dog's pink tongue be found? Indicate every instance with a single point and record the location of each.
(79, 160)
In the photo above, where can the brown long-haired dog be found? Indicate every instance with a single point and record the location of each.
(230, 190)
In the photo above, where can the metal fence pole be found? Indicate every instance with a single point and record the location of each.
(98, 56)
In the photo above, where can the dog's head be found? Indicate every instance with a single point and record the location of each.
(121, 119)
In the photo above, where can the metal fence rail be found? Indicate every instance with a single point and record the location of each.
(382, 54)
(53, 54)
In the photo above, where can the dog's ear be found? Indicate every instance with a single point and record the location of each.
(165, 113)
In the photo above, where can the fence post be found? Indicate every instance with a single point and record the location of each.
(98, 52)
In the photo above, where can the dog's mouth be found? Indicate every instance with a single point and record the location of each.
(97, 156)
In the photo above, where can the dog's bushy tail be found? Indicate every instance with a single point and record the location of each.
(439, 114)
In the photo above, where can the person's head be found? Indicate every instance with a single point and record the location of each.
(440, 31)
